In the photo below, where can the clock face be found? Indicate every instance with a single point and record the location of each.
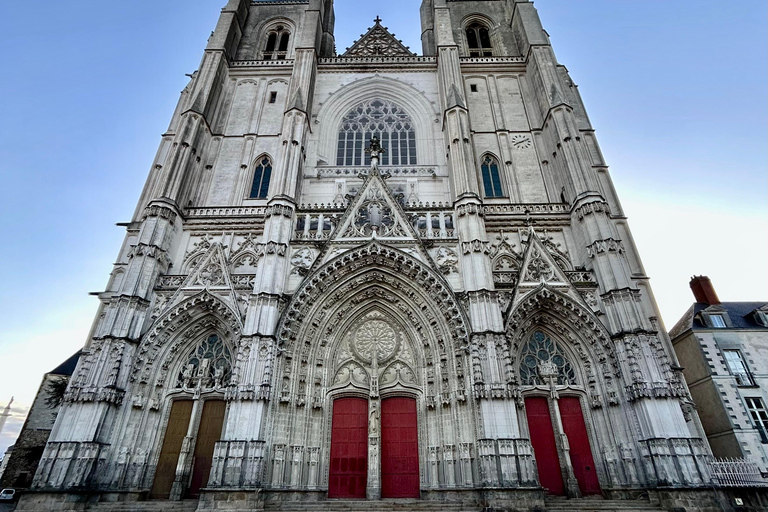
(521, 141)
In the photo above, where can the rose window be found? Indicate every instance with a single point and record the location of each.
(375, 336)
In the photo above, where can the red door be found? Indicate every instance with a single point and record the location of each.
(543, 441)
(581, 453)
(399, 449)
(349, 449)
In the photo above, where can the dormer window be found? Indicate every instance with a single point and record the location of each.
(277, 43)
(761, 318)
(717, 321)
(479, 41)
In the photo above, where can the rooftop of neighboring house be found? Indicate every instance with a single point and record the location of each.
(708, 313)
(67, 367)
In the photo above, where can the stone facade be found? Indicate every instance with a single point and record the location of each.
(477, 263)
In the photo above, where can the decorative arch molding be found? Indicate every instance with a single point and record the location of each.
(403, 273)
(177, 331)
(578, 329)
(423, 112)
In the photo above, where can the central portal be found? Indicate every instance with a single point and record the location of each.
(352, 425)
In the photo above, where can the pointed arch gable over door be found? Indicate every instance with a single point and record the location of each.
(374, 323)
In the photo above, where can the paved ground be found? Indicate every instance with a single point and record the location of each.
(7, 507)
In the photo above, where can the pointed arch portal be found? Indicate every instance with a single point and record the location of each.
(381, 339)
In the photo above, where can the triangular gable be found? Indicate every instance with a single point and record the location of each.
(210, 273)
(540, 268)
(378, 42)
(374, 213)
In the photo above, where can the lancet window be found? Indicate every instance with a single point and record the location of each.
(479, 41)
(542, 355)
(277, 43)
(385, 120)
(208, 367)
(261, 176)
(491, 177)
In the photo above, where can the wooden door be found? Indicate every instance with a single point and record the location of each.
(399, 448)
(175, 432)
(581, 452)
(544, 447)
(209, 433)
(349, 449)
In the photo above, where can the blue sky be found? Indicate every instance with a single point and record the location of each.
(675, 88)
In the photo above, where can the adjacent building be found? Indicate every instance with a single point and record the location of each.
(24, 456)
(723, 347)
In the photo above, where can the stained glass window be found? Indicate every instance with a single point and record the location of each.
(261, 176)
(491, 177)
(543, 349)
(208, 367)
(384, 119)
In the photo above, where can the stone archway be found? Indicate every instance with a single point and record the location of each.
(374, 322)
(568, 379)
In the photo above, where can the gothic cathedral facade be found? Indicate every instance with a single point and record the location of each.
(375, 275)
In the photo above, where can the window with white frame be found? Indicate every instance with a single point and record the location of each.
(717, 320)
(738, 367)
(759, 416)
(383, 119)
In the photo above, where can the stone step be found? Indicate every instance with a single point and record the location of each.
(370, 506)
(145, 506)
(599, 505)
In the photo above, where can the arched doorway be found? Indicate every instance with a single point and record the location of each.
(553, 409)
(374, 324)
(195, 422)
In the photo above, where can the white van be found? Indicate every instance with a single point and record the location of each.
(7, 494)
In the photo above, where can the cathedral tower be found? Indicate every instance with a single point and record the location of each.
(376, 275)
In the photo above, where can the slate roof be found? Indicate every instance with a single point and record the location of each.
(68, 366)
(738, 312)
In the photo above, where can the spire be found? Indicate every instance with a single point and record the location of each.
(4, 416)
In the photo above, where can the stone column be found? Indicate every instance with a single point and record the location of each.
(373, 489)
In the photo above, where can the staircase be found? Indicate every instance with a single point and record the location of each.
(145, 506)
(371, 506)
(596, 504)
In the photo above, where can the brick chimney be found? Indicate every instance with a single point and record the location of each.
(703, 290)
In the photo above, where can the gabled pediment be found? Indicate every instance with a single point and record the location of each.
(378, 42)
(210, 273)
(374, 213)
(540, 268)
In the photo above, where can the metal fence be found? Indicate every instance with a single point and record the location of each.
(736, 473)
